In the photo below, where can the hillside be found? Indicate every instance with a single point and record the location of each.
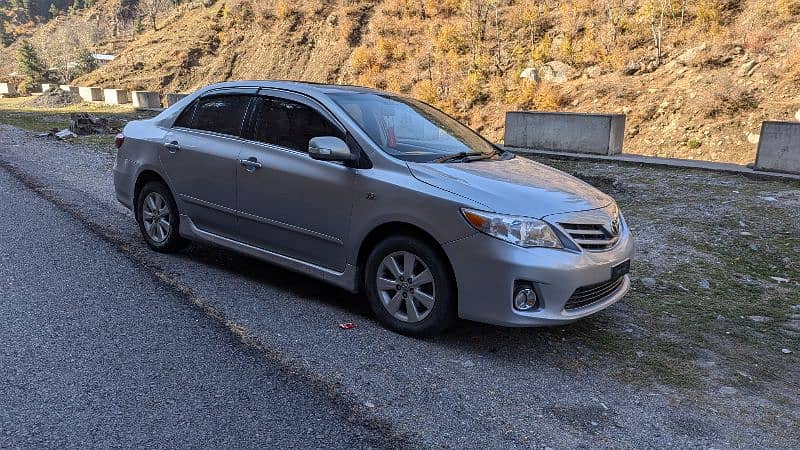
(722, 66)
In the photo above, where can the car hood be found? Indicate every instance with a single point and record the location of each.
(515, 186)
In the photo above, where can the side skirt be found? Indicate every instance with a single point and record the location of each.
(346, 280)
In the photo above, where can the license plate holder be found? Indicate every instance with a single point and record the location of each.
(621, 269)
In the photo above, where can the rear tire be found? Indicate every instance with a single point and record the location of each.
(158, 218)
(410, 287)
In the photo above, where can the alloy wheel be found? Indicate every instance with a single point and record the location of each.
(406, 286)
(156, 215)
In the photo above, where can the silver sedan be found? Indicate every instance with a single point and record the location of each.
(376, 192)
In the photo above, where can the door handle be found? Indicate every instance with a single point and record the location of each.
(172, 147)
(250, 164)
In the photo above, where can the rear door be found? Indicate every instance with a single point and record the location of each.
(290, 203)
(200, 156)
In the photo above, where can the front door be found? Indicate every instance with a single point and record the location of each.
(201, 159)
(289, 203)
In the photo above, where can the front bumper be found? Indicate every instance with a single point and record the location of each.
(487, 268)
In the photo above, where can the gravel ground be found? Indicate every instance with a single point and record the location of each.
(477, 386)
(98, 353)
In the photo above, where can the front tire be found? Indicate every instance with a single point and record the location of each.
(158, 217)
(410, 287)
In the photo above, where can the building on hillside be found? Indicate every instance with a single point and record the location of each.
(102, 59)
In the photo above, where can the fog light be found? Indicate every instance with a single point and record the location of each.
(525, 299)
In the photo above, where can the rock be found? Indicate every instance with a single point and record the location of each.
(369, 404)
(557, 72)
(689, 56)
(468, 364)
(753, 138)
(745, 233)
(704, 284)
(649, 283)
(332, 20)
(779, 279)
(767, 198)
(531, 74)
(785, 351)
(727, 390)
(793, 324)
(631, 68)
(635, 331)
(594, 72)
(760, 319)
(745, 69)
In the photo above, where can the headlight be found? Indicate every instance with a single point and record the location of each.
(518, 230)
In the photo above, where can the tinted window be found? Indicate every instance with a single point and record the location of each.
(185, 119)
(290, 124)
(221, 114)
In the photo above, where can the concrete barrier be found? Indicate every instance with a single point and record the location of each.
(69, 88)
(779, 147)
(146, 99)
(174, 98)
(599, 134)
(116, 96)
(90, 94)
(47, 87)
(7, 89)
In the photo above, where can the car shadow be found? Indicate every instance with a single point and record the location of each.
(471, 339)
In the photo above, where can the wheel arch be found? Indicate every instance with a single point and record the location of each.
(144, 177)
(395, 228)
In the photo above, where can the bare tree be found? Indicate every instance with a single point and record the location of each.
(476, 13)
(151, 9)
(59, 48)
(658, 10)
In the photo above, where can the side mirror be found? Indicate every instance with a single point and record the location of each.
(330, 148)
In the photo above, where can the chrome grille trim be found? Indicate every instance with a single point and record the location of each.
(595, 230)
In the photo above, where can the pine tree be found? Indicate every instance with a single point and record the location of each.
(85, 62)
(30, 64)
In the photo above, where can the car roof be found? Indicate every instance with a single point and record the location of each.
(305, 87)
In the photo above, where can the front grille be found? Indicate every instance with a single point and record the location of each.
(586, 295)
(590, 236)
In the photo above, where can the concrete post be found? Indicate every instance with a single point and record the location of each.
(600, 134)
(90, 94)
(174, 98)
(146, 100)
(69, 88)
(779, 147)
(7, 89)
(116, 96)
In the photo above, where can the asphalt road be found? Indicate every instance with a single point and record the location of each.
(96, 352)
(206, 321)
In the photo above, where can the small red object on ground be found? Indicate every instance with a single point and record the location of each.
(347, 325)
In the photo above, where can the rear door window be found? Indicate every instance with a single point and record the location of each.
(221, 114)
(290, 124)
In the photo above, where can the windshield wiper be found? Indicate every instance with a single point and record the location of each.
(455, 156)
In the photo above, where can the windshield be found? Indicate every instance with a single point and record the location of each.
(411, 130)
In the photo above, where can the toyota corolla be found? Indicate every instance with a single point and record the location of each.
(379, 193)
